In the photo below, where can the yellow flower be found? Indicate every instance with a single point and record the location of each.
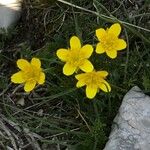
(93, 82)
(30, 74)
(76, 57)
(109, 41)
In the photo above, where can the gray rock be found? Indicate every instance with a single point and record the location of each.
(131, 128)
(9, 12)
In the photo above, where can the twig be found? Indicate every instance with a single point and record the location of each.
(63, 133)
(2, 125)
(127, 57)
(5, 90)
(84, 120)
(102, 16)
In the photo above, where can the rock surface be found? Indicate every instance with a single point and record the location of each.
(131, 129)
(9, 12)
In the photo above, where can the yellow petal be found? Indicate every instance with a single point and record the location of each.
(75, 43)
(62, 54)
(99, 48)
(80, 76)
(112, 53)
(102, 74)
(23, 64)
(17, 77)
(68, 69)
(100, 33)
(42, 78)
(86, 51)
(80, 83)
(36, 62)
(105, 86)
(121, 44)
(115, 29)
(29, 85)
(91, 91)
(86, 66)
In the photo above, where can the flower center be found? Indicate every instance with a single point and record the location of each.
(75, 58)
(92, 78)
(32, 73)
(109, 42)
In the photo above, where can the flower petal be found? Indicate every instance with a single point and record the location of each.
(105, 86)
(17, 77)
(112, 53)
(91, 91)
(100, 33)
(86, 51)
(102, 74)
(75, 43)
(99, 48)
(80, 83)
(69, 69)
(29, 85)
(36, 62)
(115, 29)
(41, 78)
(62, 54)
(121, 44)
(86, 66)
(23, 64)
(80, 76)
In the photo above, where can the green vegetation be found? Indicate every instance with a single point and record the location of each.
(57, 115)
